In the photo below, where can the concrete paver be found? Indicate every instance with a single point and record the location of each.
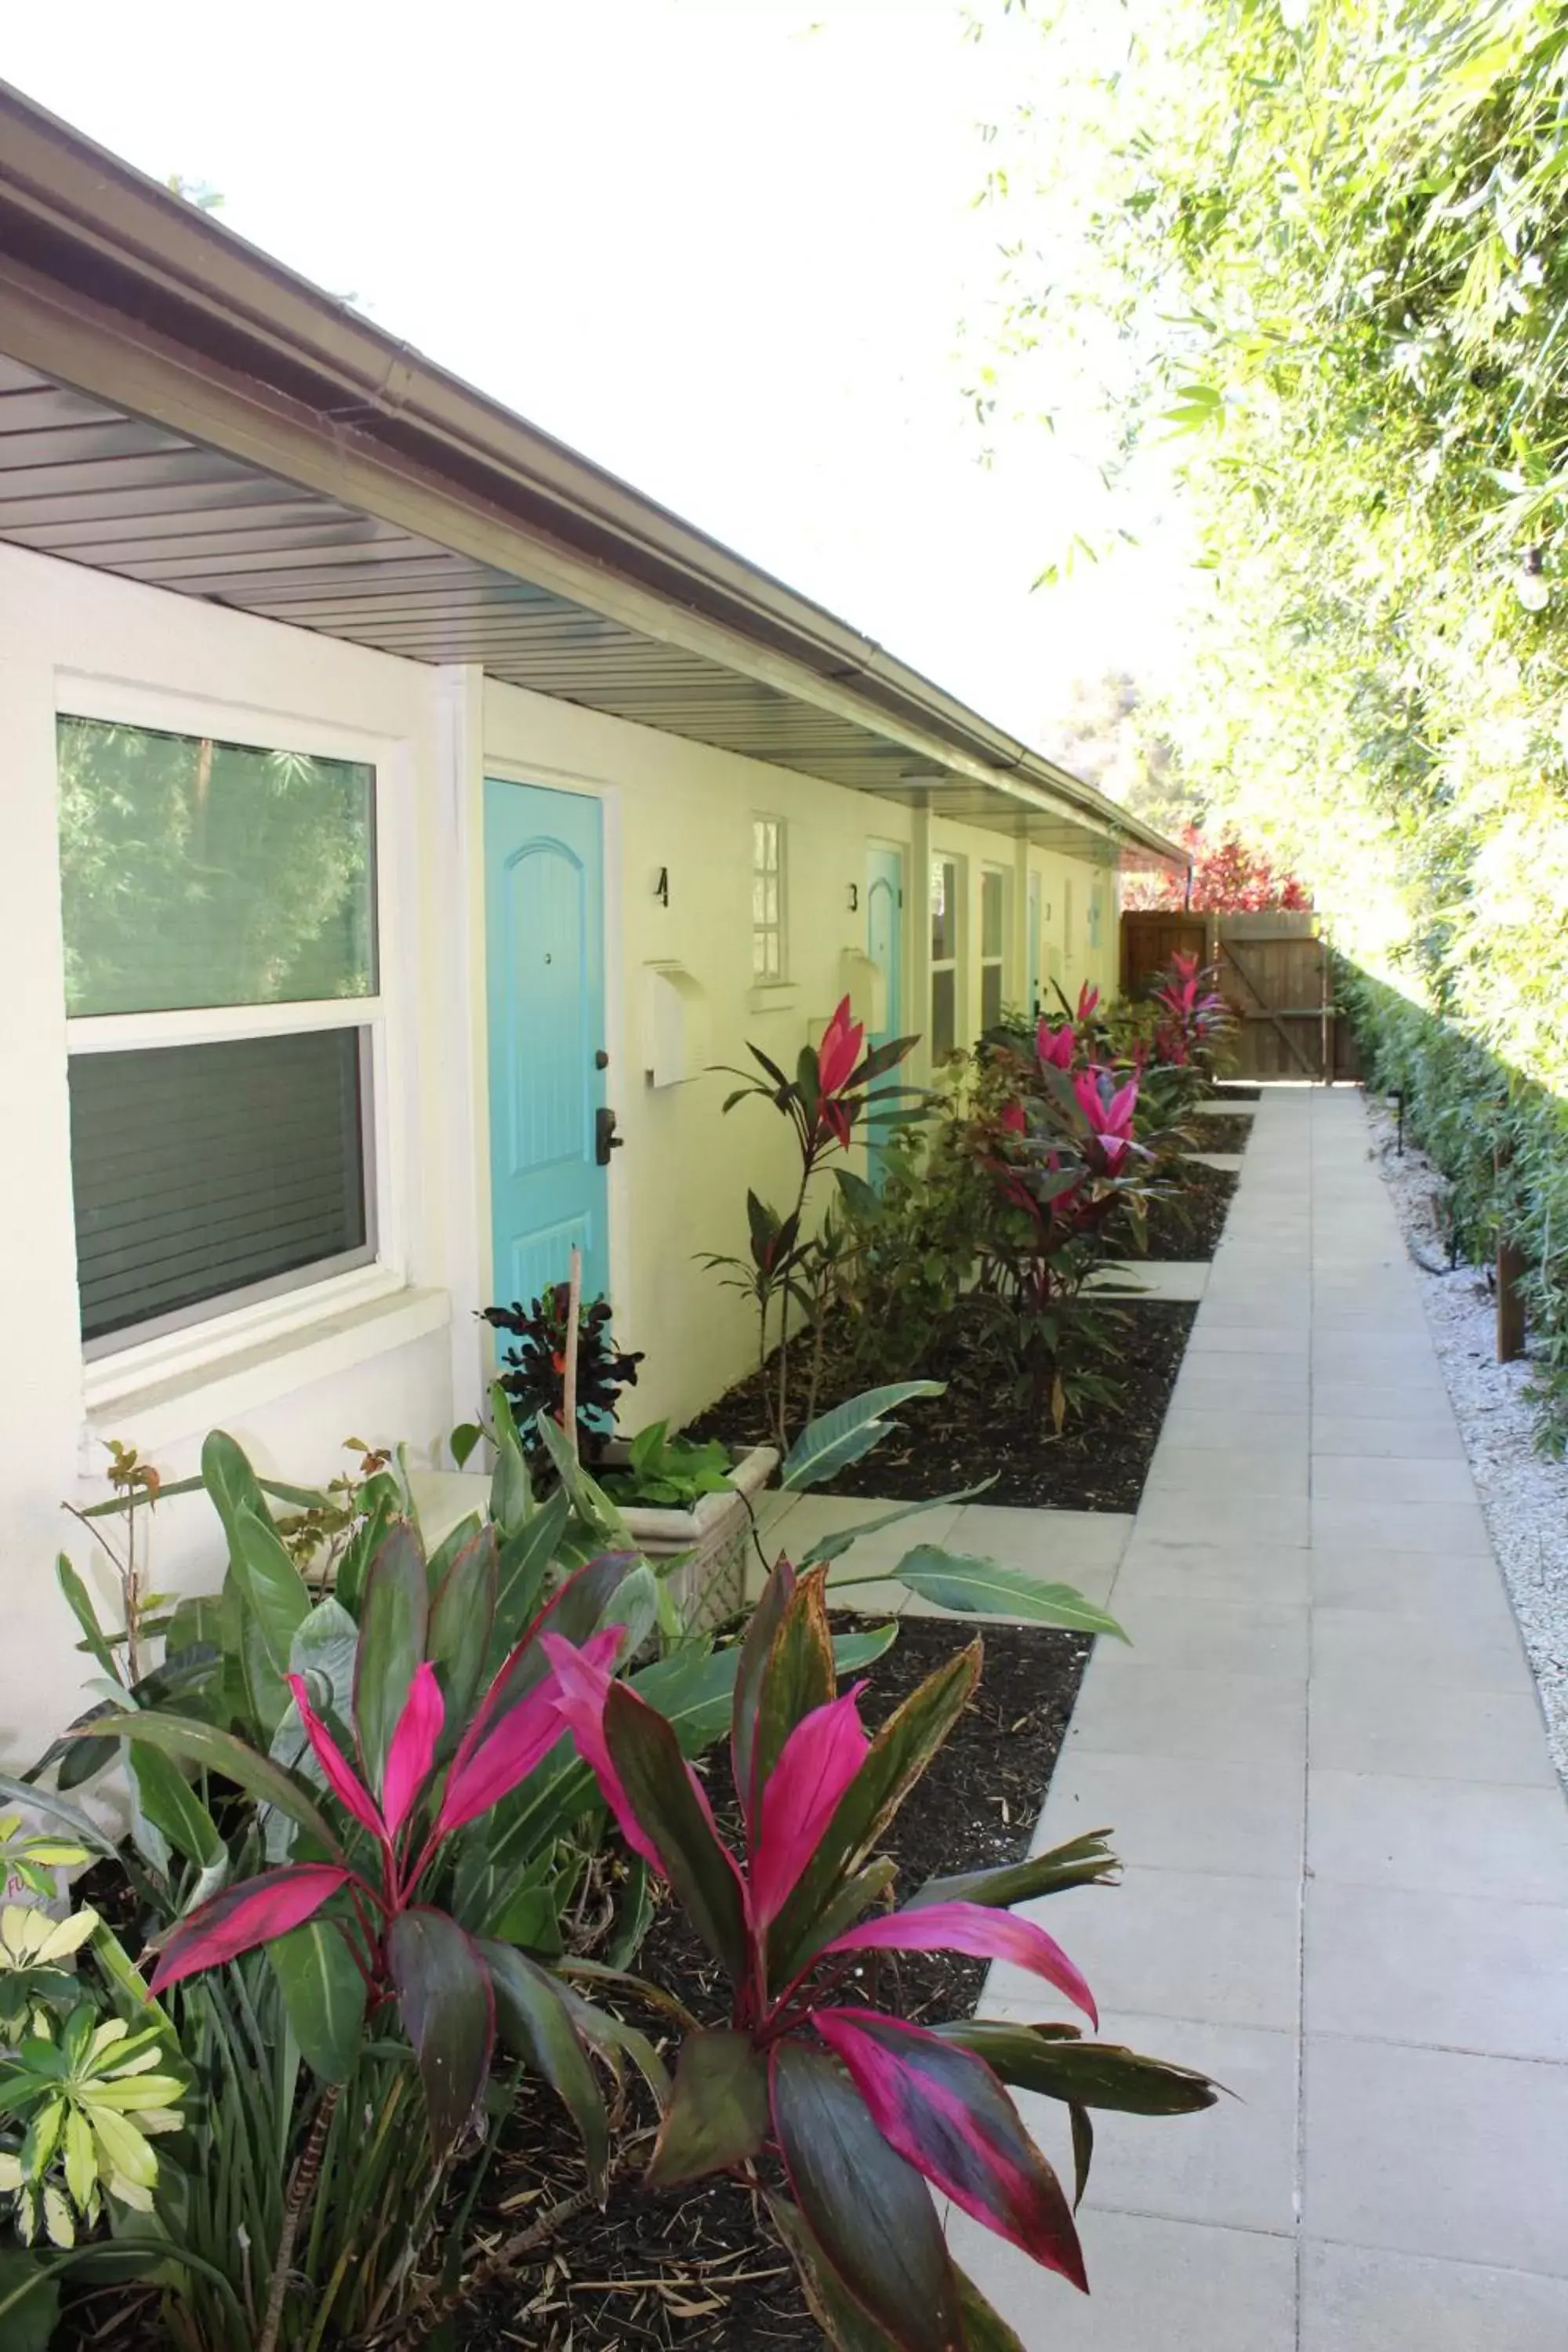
(1347, 1850)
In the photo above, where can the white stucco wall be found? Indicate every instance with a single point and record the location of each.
(405, 1364)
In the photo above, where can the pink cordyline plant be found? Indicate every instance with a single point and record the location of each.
(1194, 1016)
(837, 1058)
(407, 1802)
(836, 1085)
(1108, 1111)
(863, 2110)
(1056, 1047)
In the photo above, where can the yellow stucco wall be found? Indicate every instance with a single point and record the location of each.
(679, 1188)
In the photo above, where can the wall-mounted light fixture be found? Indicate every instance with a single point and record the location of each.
(661, 888)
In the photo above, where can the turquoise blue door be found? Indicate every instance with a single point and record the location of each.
(544, 961)
(885, 947)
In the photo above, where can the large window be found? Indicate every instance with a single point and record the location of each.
(945, 935)
(219, 906)
(993, 943)
(768, 958)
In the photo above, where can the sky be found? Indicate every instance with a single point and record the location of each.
(729, 249)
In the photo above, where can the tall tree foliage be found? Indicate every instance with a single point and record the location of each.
(1328, 242)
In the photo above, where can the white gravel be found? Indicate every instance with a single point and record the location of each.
(1524, 1496)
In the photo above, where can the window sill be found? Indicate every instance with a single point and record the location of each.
(774, 997)
(232, 1375)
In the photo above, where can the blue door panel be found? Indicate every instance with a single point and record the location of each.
(884, 947)
(545, 994)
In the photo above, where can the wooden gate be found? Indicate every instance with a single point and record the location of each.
(1274, 972)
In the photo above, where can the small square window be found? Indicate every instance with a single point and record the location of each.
(768, 959)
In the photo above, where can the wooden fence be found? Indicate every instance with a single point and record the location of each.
(1274, 972)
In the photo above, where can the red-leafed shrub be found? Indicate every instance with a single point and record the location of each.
(1229, 878)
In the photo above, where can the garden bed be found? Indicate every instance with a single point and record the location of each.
(1186, 1224)
(978, 1427)
(695, 2269)
(1216, 1132)
(1233, 1091)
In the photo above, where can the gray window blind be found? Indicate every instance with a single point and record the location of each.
(200, 1170)
(943, 1014)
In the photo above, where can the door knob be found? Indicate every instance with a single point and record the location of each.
(606, 1139)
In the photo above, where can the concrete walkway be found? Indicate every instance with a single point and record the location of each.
(1347, 1885)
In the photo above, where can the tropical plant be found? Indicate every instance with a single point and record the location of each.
(912, 1242)
(966, 1582)
(400, 1845)
(835, 1088)
(534, 1368)
(668, 1473)
(1224, 875)
(33, 1860)
(1193, 1021)
(87, 2091)
(401, 1871)
(1058, 1147)
(284, 2222)
(89, 2079)
(431, 1755)
(845, 2118)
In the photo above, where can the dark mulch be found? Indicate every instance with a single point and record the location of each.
(1232, 1090)
(1188, 1223)
(696, 2270)
(980, 1427)
(1216, 1132)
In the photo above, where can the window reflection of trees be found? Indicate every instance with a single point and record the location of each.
(196, 872)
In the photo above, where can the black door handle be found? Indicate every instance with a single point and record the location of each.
(606, 1139)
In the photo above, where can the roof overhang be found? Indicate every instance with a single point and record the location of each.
(177, 408)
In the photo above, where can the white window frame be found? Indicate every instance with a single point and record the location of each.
(777, 932)
(953, 962)
(170, 1348)
(996, 962)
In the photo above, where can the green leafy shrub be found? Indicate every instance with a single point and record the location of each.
(358, 1837)
(534, 1368)
(1501, 1140)
(844, 2118)
(838, 1087)
(668, 1473)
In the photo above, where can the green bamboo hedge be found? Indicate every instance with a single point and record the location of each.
(1501, 1141)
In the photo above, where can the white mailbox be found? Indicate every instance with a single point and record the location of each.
(678, 1021)
(865, 983)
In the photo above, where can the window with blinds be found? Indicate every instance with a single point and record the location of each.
(222, 993)
(202, 1170)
